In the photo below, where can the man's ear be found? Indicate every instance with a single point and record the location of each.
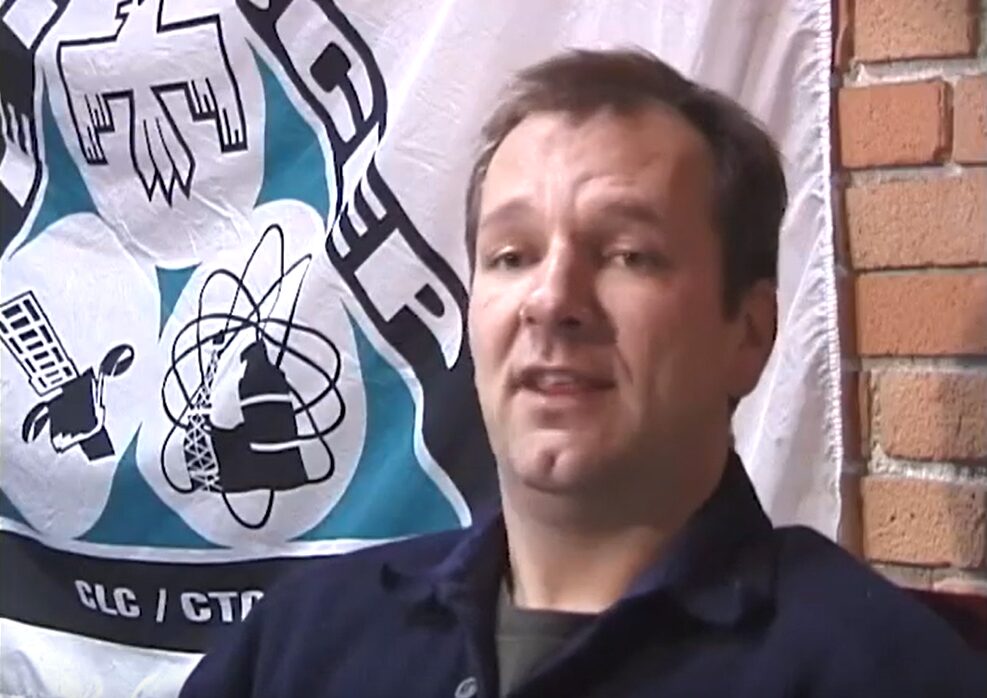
(756, 324)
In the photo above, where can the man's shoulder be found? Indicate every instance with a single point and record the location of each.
(840, 607)
(358, 574)
(837, 627)
(415, 553)
(828, 582)
(329, 607)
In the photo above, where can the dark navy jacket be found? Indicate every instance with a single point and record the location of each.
(735, 608)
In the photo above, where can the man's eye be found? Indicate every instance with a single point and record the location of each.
(508, 259)
(635, 259)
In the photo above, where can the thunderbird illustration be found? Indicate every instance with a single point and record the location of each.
(99, 100)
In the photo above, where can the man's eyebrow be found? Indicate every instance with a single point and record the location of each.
(510, 211)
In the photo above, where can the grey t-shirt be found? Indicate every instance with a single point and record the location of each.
(527, 637)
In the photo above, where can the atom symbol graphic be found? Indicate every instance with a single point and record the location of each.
(246, 436)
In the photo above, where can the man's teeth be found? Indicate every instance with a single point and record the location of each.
(556, 379)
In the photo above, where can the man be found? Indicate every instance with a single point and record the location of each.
(623, 228)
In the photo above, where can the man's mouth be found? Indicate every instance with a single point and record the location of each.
(559, 381)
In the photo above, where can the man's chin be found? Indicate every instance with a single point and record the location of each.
(558, 470)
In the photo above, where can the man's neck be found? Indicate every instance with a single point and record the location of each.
(564, 556)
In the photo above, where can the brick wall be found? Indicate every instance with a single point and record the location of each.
(911, 161)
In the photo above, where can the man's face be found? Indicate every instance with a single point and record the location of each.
(601, 346)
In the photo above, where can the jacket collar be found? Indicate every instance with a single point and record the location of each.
(719, 568)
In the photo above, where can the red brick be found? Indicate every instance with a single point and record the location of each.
(843, 35)
(846, 309)
(934, 221)
(922, 314)
(924, 522)
(939, 415)
(891, 29)
(850, 531)
(856, 415)
(898, 124)
(970, 120)
(864, 412)
(852, 439)
(841, 235)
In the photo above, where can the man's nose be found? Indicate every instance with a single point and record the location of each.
(563, 294)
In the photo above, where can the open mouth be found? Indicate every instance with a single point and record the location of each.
(557, 381)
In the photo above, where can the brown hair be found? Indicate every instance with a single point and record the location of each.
(750, 191)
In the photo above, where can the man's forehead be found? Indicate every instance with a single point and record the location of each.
(610, 150)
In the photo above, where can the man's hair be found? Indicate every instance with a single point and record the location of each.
(749, 191)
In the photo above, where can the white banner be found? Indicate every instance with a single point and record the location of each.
(233, 292)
